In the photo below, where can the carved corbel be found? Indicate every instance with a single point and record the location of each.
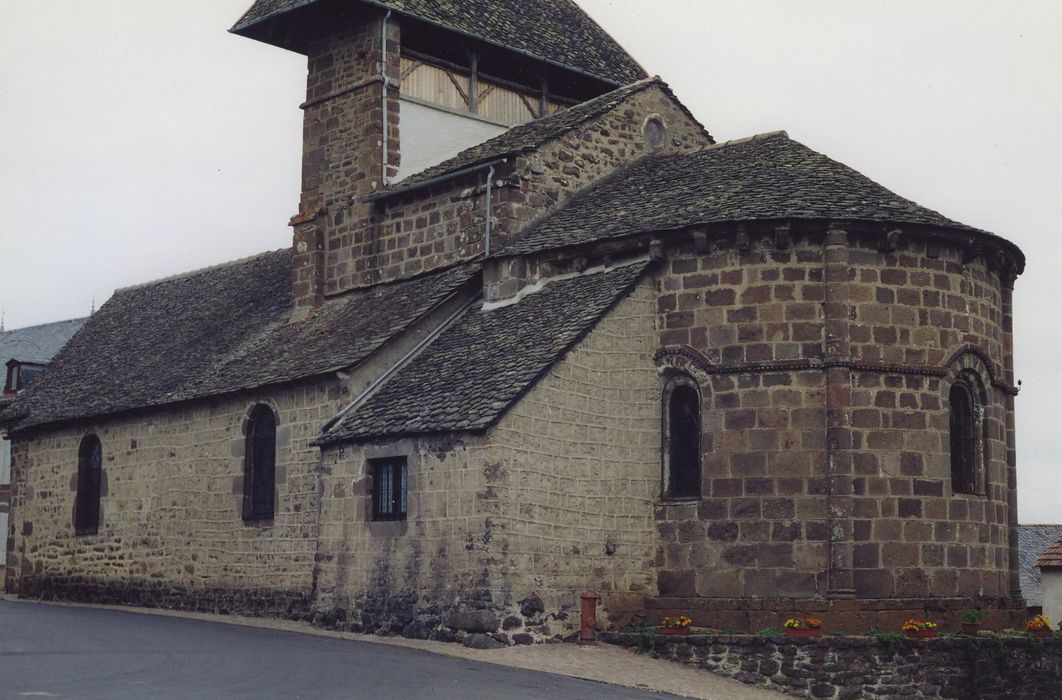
(891, 241)
(742, 239)
(782, 236)
(701, 244)
(970, 252)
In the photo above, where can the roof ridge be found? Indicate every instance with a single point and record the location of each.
(42, 325)
(198, 271)
(746, 139)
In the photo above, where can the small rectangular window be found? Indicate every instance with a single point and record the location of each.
(389, 487)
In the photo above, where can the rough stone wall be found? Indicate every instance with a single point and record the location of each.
(854, 668)
(342, 159)
(825, 366)
(430, 229)
(759, 529)
(171, 530)
(555, 499)
(918, 307)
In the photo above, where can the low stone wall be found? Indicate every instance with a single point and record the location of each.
(847, 668)
(253, 602)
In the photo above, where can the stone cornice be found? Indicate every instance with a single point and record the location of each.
(684, 357)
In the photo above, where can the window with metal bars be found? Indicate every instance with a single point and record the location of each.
(89, 480)
(259, 465)
(389, 488)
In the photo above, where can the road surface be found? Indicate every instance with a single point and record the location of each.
(51, 651)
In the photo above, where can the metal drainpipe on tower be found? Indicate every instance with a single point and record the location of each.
(486, 234)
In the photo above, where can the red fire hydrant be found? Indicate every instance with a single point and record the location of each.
(588, 617)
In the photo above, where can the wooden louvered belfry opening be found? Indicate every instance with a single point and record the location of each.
(467, 91)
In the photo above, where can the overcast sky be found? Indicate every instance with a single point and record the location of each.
(139, 139)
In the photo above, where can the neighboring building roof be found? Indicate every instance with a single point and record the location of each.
(554, 31)
(36, 344)
(764, 177)
(1052, 556)
(216, 331)
(529, 136)
(1033, 540)
(488, 359)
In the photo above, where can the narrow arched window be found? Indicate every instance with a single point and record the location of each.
(963, 433)
(682, 441)
(89, 480)
(259, 464)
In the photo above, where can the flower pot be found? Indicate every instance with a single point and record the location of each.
(798, 632)
(674, 631)
(1040, 632)
(921, 634)
(970, 628)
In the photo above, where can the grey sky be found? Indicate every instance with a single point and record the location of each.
(139, 139)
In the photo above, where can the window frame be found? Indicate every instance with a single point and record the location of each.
(87, 510)
(260, 464)
(676, 384)
(967, 450)
(395, 486)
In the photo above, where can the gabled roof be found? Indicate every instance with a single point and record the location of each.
(475, 370)
(1033, 540)
(764, 177)
(529, 136)
(555, 31)
(216, 331)
(1052, 556)
(36, 344)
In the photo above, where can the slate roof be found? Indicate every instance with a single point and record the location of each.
(555, 31)
(487, 360)
(36, 343)
(1033, 540)
(764, 177)
(216, 331)
(529, 136)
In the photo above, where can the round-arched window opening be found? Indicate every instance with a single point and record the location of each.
(655, 133)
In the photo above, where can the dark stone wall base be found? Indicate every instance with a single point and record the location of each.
(852, 616)
(852, 668)
(255, 602)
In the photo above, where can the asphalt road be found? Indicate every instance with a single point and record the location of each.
(59, 652)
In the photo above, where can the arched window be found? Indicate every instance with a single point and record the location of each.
(964, 429)
(89, 479)
(259, 464)
(682, 439)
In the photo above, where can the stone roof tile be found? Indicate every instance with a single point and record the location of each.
(555, 31)
(765, 177)
(475, 370)
(216, 331)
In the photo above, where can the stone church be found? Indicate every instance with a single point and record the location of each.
(537, 333)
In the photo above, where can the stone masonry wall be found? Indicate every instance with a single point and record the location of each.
(171, 531)
(555, 499)
(760, 527)
(420, 232)
(826, 468)
(342, 159)
(849, 668)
